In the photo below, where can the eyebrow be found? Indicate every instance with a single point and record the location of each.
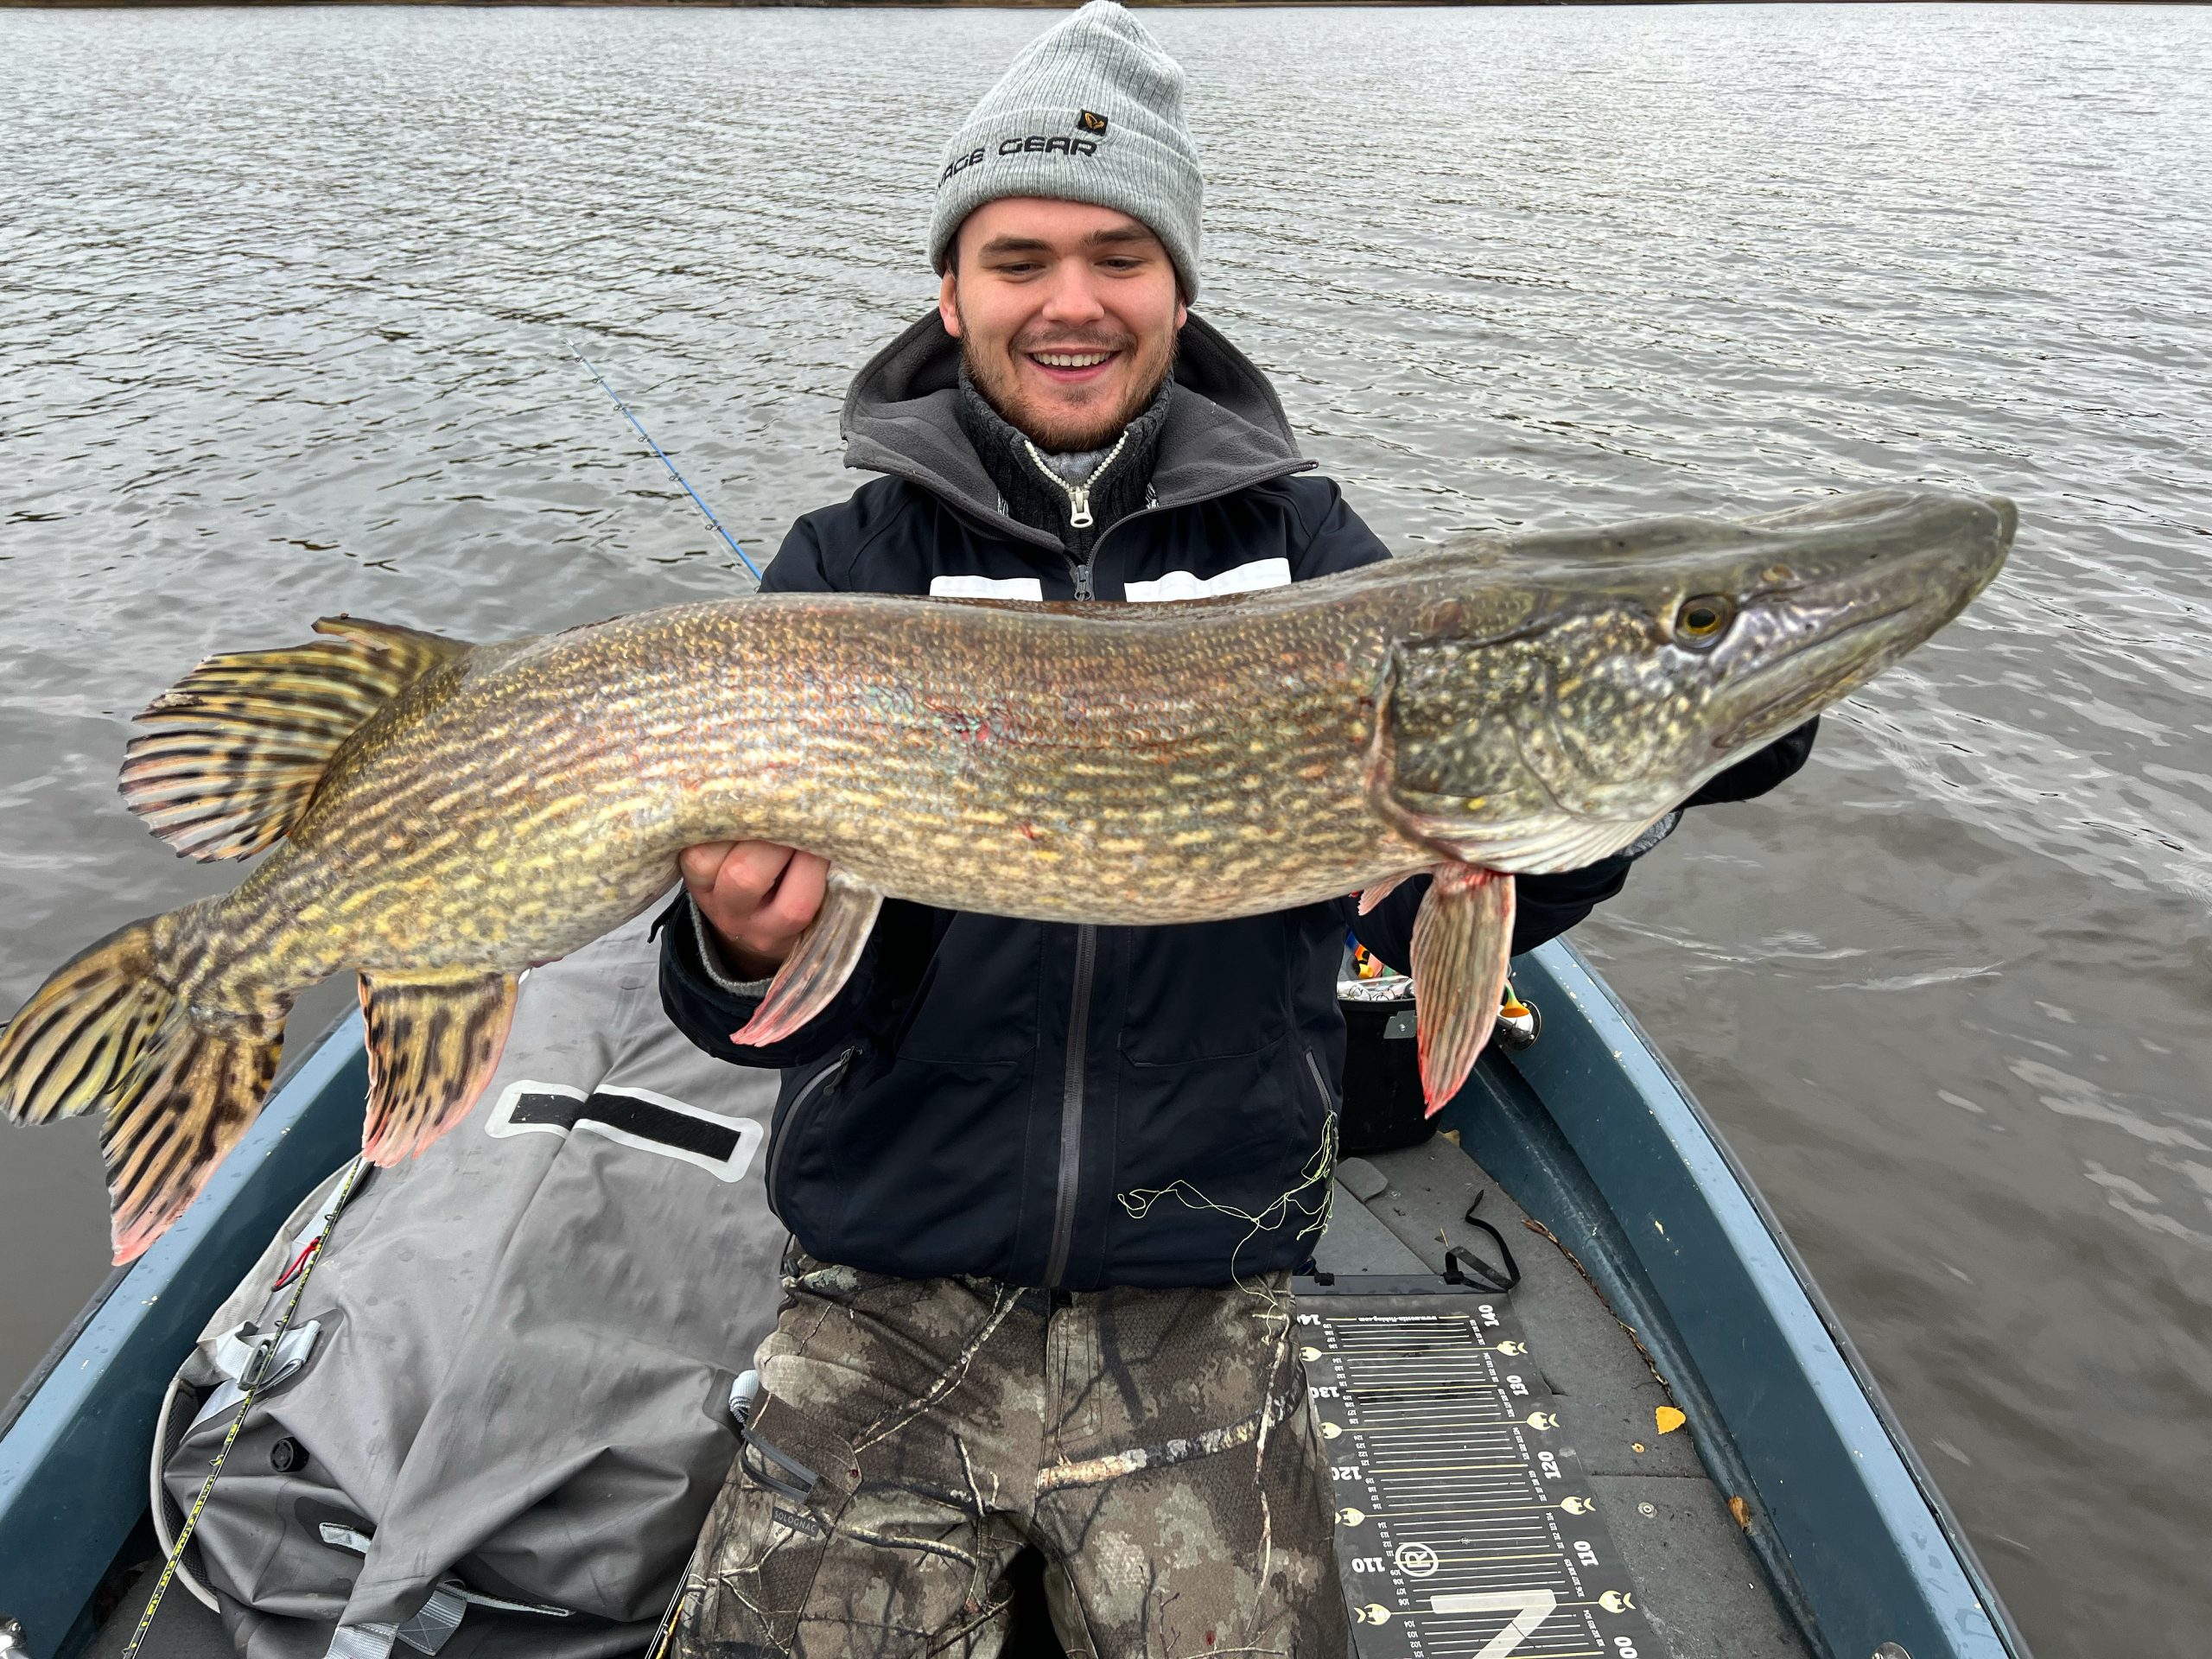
(1119, 233)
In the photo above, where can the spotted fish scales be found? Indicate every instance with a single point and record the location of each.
(440, 816)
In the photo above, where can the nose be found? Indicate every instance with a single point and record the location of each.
(1072, 300)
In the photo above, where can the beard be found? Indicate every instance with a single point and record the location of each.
(1056, 426)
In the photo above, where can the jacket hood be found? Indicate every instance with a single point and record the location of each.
(1225, 429)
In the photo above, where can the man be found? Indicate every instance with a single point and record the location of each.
(1047, 1182)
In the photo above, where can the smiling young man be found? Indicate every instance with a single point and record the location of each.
(1046, 1183)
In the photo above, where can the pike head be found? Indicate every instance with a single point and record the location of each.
(1561, 691)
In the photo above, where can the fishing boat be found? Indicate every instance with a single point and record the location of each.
(1581, 1396)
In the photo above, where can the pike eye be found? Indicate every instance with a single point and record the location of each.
(1702, 620)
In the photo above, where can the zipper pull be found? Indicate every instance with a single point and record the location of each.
(1082, 582)
(1079, 505)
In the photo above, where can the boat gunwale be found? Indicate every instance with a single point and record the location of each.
(72, 1456)
(1558, 969)
(51, 1360)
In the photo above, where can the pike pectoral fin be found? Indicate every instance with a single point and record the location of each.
(1371, 897)
(819, 963)
(1461, 941)
(432, 1048)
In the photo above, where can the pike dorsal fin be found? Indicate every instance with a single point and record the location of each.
(237, 745)
(432, 1044)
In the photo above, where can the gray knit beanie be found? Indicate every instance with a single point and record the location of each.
(1091, 110)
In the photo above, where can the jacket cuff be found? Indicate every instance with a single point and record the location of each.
(1662, 827)
(710, 958)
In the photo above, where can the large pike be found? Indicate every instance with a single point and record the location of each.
(449, 814)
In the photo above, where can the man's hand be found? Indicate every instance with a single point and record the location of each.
(758, 898)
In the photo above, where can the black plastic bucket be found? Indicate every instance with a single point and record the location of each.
(1383, 1099)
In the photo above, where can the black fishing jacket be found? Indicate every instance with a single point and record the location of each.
(1047, 1104)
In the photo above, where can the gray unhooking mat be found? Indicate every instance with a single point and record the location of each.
(504, 1410)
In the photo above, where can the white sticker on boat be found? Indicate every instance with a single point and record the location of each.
(1239, 579)
(723, 1147)
(986, 588)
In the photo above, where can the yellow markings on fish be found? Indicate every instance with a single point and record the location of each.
(432, 811)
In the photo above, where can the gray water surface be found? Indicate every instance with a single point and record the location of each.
(283, 297)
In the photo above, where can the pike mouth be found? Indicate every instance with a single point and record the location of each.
(1810, 676)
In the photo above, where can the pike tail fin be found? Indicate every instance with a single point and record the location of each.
(106, 1029)
(1463, 938)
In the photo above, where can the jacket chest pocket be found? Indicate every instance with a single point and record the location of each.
(1211, 991)
(977, 1002)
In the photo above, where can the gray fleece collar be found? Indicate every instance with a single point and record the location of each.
(1225, 429)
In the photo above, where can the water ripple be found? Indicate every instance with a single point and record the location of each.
(286, 304)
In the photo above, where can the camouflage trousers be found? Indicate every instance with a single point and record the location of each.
(911, 1436)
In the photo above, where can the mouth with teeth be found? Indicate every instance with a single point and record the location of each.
(1066, 366)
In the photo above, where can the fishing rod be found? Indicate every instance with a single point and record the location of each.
(666, 462)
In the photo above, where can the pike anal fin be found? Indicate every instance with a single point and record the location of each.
(819, 964)
(432, 1044)
(1462, 940)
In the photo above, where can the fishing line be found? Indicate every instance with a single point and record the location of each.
(662, 455)
(257, 1374)
(1319, 1169)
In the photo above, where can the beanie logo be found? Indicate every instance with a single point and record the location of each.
(1058, 144)
(1035, 144)
(1092, 121)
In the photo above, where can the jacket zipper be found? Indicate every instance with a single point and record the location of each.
(1328, 1141)
(1079, 495)
(1070, 1172)
(1069, 1175)
(1069, 1181)
(1320, 1084)
(819, 1083)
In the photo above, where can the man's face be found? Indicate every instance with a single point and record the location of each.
(1067, 315)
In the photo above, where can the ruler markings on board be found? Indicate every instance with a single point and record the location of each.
(1466, 1529)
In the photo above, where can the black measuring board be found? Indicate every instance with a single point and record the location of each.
(1465, 1527)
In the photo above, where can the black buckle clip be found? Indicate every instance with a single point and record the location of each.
(1465, 1267)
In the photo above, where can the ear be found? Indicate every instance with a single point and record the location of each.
(948, 303)
(1182, 311)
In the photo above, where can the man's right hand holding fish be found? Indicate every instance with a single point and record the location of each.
(758, 898)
